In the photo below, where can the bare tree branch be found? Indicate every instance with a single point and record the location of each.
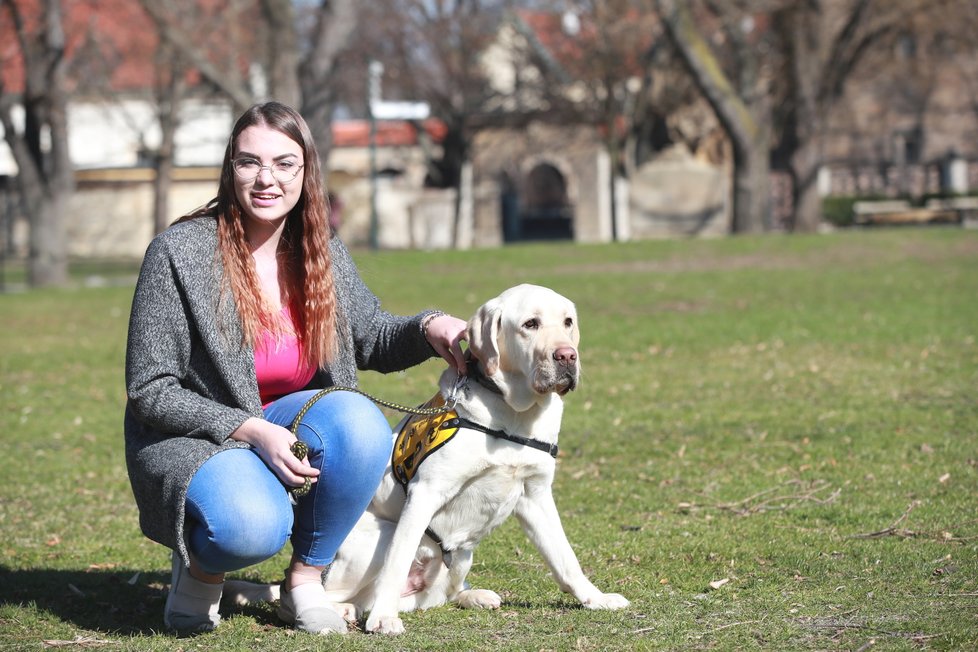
(162, 13)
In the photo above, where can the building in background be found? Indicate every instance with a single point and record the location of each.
(533, 175)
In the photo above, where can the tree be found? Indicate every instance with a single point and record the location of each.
(739, 96)
(40, 148)
(590, 69)
(823, 43)
(333, 28)
(293, 73)
(431, 51)
(218, 61)
(183, 50)
(298, 54)
(801, 57)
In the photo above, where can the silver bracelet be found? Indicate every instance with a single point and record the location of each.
(427, 320)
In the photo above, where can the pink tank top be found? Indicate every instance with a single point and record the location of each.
(279, 367)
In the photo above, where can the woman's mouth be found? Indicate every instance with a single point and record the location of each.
(264, 199)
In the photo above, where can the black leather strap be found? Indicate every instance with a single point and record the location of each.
(550, 449)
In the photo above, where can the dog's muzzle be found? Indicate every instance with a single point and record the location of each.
(566, 382)
(562, 375)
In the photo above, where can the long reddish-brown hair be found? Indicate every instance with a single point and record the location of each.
(304, 263)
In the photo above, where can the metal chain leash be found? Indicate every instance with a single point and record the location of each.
(300, 449)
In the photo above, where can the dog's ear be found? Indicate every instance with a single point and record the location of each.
(483, 334)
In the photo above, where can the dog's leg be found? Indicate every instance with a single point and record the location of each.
(457, 592)
(240, 593)
(419, 508)
(537, 513)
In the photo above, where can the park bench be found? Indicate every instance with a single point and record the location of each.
(965, 207)
(898, 211)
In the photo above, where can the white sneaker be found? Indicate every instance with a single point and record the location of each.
(191, 605)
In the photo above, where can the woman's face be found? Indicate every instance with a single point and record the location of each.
(268, 176)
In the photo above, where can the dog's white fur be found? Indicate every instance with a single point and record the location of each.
(525, 341)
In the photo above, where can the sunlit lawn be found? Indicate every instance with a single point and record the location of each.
(775, 446)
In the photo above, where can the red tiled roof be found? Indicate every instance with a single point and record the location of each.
(122, 32)
(390, 133)
(126, 40)
(119, 29)
(117, 37)
(630, 39)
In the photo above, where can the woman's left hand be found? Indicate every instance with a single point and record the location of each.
(445, 334)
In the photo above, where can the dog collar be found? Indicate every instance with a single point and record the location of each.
(474, 372)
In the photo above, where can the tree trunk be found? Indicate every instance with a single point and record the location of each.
(802, 28)
(169, 96)
(820, 61)
(751, 189)
(45, 177)
(164, 169)
(805, 163)
(335, 22)
(51, 264)
(747, 123)
(48, 261)
(283, 59)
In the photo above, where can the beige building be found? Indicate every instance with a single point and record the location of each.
(536, 181)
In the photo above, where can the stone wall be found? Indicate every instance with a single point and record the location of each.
(678, 195)
(112, 217)
(674, 195)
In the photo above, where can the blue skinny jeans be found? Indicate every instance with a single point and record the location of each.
(238, 512)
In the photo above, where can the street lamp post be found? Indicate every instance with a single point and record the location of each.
(376, 70)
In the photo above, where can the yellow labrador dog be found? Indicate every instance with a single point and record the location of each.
(412, 548)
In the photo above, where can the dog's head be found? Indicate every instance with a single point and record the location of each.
(526, 339)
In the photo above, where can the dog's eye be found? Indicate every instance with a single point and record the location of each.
(531, 324)
(568, 323)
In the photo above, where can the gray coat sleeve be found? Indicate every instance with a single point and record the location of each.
(166, 391)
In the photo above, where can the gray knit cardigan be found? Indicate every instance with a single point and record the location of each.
(190, 382)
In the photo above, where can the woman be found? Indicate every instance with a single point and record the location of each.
(243, 309)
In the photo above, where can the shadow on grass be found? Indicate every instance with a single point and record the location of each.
(108, 601)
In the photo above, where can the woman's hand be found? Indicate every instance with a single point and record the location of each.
(273, 445)
(445, 334)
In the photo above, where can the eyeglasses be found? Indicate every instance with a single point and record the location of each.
(248, 169)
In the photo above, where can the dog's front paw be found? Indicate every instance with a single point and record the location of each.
(347, 610)
(390, 625)
(606, 601)
(479, 599)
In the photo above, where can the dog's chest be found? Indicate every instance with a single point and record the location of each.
(484, 504)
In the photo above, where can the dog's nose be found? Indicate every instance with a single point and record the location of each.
(565, 355)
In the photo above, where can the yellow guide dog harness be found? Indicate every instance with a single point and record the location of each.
(423, 434)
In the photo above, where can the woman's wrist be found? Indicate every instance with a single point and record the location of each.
(258, 432)
(426, 321)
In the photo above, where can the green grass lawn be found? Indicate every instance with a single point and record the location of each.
(774, 446)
